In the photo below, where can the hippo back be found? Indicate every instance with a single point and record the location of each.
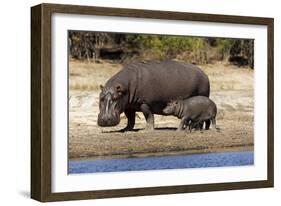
(156, 83)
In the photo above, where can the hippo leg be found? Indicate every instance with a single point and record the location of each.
(191, 125)
(208, 122)
(194, 124)
(199, 126)
(182, 124)
(131, 120)
(214, 122)
(148, 116)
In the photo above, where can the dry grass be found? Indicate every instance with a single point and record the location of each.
(224, 76)
(89, 76)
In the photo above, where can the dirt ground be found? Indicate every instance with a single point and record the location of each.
(231, 90)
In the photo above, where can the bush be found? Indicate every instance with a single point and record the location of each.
(199, 50)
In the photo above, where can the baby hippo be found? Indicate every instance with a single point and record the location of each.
(193, 112)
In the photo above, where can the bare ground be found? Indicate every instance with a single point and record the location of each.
(231, 90)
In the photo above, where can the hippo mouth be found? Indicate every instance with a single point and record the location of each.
(167, 111)
(108, 121)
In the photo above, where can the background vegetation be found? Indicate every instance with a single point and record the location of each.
(103, 46)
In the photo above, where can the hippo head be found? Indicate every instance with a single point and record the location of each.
(111, 104)
(171, 107)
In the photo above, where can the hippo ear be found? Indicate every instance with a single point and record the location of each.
(120, 89)
(101, 87)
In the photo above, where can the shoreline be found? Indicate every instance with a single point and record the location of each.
(171, 153)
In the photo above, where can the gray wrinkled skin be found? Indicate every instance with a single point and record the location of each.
(148, 87)
(193, 112)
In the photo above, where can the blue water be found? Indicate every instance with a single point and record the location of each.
(222, 159)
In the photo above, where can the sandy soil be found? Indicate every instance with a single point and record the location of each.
(231, 90)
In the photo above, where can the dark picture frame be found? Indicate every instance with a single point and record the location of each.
(41, 116)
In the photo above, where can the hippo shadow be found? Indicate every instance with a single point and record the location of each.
(122, 131)
(142, 129)
(166, 128)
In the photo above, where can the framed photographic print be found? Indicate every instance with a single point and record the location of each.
(132, 102)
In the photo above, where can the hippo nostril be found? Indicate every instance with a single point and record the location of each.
(103, 119)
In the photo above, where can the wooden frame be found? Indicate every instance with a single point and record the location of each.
(41, 102)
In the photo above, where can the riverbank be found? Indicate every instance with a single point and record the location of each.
(161, 142)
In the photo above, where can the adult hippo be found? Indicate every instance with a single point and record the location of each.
(148, 86)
